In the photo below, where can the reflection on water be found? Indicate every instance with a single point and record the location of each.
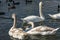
(39, 37)
(44, 37)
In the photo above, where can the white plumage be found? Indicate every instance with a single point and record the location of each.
(42, 30)
(17, 32)
(55, 16)
(35, 18)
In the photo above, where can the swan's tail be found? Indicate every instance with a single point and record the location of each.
(55, 30)
(50, 15)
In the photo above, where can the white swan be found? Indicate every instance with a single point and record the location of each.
(17, 32)
(55, 16)
(42, 30)
(35, 18)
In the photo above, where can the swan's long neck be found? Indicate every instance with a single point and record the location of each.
(32, 24)
(40, 9)
(14, 23)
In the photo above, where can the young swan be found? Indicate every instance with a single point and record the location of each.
(42, 30)
(17, 32)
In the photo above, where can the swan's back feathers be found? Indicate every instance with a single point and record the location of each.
(39, 29)
(55, 16)
(20, 34)
(33, 18)
(43, 30)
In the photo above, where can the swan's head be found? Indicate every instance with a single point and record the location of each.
(13, 15)
(30, 23)
(27, 25)
(40, 3)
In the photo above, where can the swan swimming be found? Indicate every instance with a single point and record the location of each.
(55, 16)
(17, 32)
(35, 18)
(42, 30)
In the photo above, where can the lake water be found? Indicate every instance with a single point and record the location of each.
(23, 10)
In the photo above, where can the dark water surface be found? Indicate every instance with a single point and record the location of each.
(23, 10)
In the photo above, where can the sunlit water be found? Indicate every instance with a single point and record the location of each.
(23, 10)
